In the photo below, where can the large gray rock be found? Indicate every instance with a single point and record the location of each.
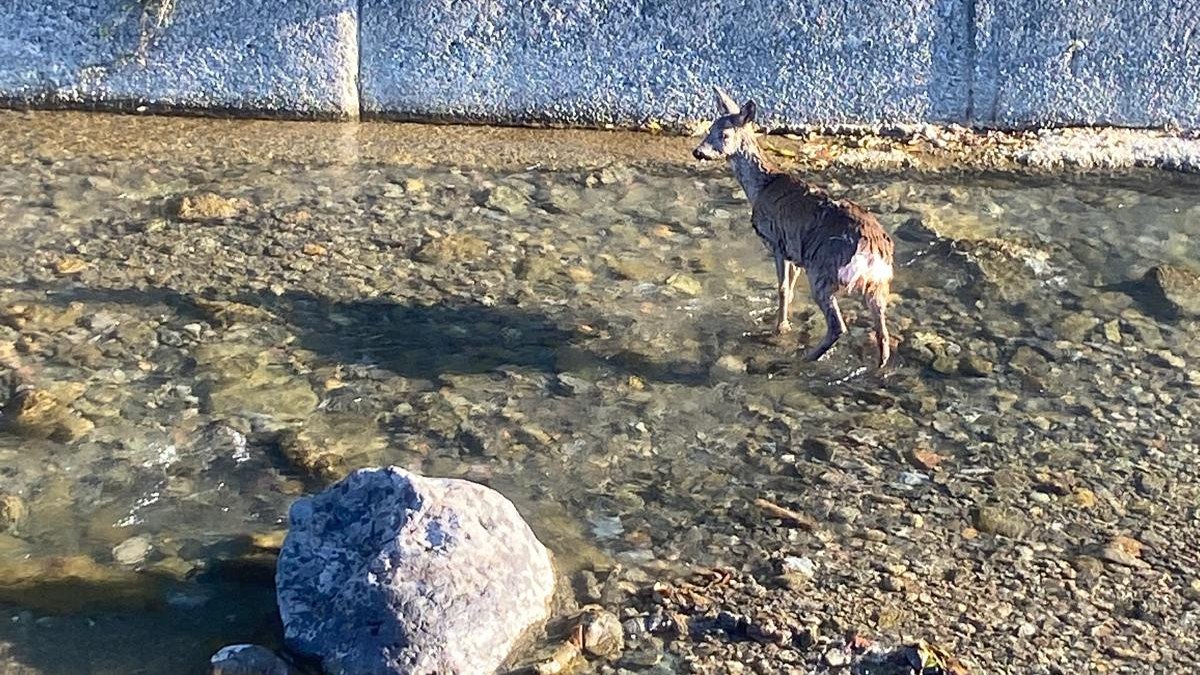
(390, 572)
(273, 56)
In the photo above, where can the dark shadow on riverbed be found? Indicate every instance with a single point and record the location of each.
(177, 636)
(410, 340)
(422, 341)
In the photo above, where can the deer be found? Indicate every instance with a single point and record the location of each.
(840, 246)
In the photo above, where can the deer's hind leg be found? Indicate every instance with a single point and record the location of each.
(822, 293)
(877, 305)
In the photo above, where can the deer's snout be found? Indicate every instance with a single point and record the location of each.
(697, 154)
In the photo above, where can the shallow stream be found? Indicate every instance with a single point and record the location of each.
(591, 337)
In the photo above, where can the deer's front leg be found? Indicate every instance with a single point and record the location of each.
(785, 275)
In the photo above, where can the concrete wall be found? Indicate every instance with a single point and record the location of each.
(984, 62)
(256, 56)
(1122, 62)
(623, 61)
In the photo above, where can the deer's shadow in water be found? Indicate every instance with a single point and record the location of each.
(423, 340)
(412, 340)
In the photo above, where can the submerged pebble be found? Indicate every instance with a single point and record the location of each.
(132, 551)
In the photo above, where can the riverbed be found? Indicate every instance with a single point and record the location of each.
(201, 320)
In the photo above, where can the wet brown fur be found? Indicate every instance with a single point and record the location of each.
(807, 228)
(840, 246)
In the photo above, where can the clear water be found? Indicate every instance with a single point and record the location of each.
(565, 352)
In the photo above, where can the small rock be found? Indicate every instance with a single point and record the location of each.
(102, 322)
(561, 661)
(1084, 498)
(644, 659)
(577, 386)
(13, 513)
(268, 541)
(798, 565)
(208, 206)
(1112, 331)
(1124, 551)
(685, 284)
(37, 413)
(247, 660)
(614, 174)
(836, 657)
(69, 266)
(926, 460)
(132, 551)
(1175, 288)
(806, 636)
(1089, 570)
(632, 269)
(506, 200)
(1149, 484)
(603, 635)
(587, 586)
(728, 367)
(945, 364)
(1001, 521)
(1166, 358)
(75, 584)
(974, 365)
(1075, 327)
(538, 268)
(874, 535)
(821, 449)
(796, 572)
(241, 381)
(328, 447)
(452, 248)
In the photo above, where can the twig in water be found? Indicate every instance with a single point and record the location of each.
(785, 514)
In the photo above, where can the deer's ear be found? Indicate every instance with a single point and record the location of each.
(725, 104)
(749, 109)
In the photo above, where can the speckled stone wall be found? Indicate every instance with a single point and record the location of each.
(1087, 62)
(295, 57)
(627, 61)
(1014, 63)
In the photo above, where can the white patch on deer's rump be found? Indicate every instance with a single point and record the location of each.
(865, 269)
